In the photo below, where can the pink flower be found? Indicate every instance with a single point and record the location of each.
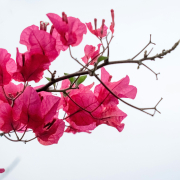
(80, 99)
(111, 114)
(39, 42)
(7, 122)
(70, 29)
(90, 52)
(26, 108)
(39, 112)
(5, 76)
(30, 67)
(121, 88)
(2, 170)
(49, 106)
(51, 132)
(100, 32)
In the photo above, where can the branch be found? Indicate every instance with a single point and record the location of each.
(79, 73)
(143, 48)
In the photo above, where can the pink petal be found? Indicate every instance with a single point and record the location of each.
(2, 170)
(33, 68)
(26, 108)
(52, 135)
(105, 76)
(70, 33)
(88, 50)
(49, 107)
(43, 43)
(89, 26)
(5, 76)
(6, 120)
(57, 22)
(95, 55)
(24, 38)
(59, 45)
(112, 116)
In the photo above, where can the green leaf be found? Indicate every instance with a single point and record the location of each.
(72, 79)
(102, 58)
(49, 79)
(81, 79)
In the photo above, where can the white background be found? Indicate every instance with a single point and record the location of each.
(149, 147)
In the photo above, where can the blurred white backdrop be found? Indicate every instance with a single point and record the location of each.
(149, 147)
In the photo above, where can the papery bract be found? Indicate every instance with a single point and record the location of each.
(39, 42)
(51, 132)
(7, 122)
(5, 76)
(24, 38)
(49, 105)
(30, 67)
(71, 30)
(59, 44)
(78, 118)
(121, 88)
(26, 108)
(90, 52)
(111, 114)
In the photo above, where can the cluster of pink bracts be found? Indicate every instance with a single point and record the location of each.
(23, 108)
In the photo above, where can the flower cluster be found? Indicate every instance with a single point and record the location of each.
(25, 108)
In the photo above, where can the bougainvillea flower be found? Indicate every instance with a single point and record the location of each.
(39, 42)
(7, 122)
(24, 38)
(5, 76)
(71, 29)
(121, 88)
(112, 23)
(30, 67)
(81, 100)
(49, 105)
(59, 44)
(51, 132)
(26, 108)
(90, 52)
(112, 116)
(11, 90)
(2, 170)
(100, 32)
(33, 110)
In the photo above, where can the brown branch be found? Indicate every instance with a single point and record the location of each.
(143, 48)
(79, 73)
(156, 74)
